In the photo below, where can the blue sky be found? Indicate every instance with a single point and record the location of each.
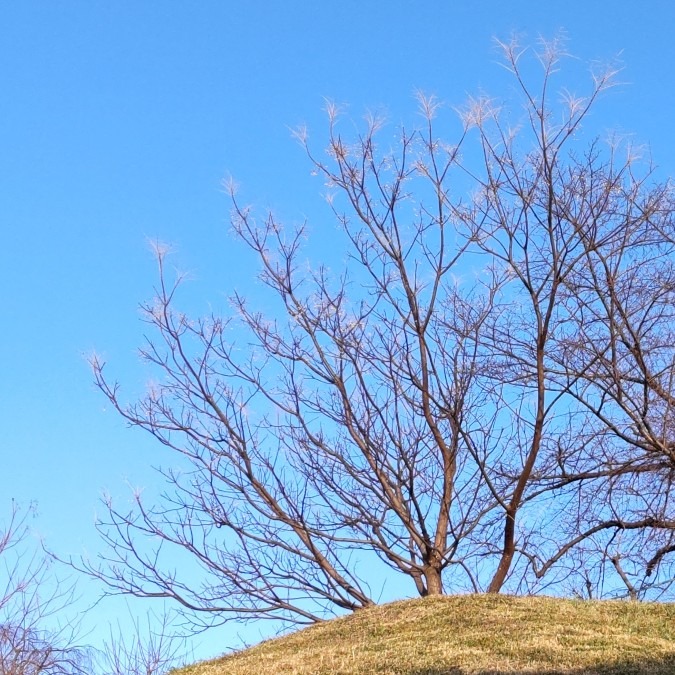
(120, 119)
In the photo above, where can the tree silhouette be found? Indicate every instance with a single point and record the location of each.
(481, 399)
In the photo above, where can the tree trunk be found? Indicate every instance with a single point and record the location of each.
(434, 582)
(507, 553)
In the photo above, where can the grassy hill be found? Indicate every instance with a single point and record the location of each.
(484, 635)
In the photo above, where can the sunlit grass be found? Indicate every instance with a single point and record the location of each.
(471, 634)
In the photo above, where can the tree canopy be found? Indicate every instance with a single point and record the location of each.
(481, 399)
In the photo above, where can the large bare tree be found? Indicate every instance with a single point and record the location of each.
(480, 399)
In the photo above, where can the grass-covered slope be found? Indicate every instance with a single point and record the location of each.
(471, 634)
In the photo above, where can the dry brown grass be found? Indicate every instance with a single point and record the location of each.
(486, 635)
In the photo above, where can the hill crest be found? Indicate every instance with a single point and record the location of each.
(471, 635)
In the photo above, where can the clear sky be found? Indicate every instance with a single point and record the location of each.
(118, 121)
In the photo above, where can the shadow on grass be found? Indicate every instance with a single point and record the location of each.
(663, 666)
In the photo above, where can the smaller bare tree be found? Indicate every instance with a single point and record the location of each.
(146, 650)
(32, 640)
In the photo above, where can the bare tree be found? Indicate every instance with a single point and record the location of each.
(623, 296)
(150, 650)
(480, 399)
(33, 641)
